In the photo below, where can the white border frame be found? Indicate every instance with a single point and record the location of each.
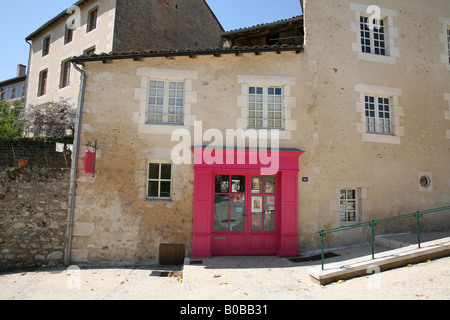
(391, 32)
(289, 102)
(396, 112)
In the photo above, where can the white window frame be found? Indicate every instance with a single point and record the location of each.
(390, 34)
(396, 112)
(375, 123)
(376, 36)
(264, 99)
(159, 180)
(289, 101)
(166, 106)
(141, 94)
(344, 206)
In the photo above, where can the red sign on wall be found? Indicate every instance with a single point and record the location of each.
(89, 163)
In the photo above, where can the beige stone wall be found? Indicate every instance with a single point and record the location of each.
(386, 169)
(324, 109)
(101, 38)
(114, 220)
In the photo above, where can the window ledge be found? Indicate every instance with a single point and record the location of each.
(381, 138)
(375, 58)
(158, 199)
(268, 129)
(164, 124)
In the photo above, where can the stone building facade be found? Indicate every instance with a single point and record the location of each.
(358, 116)
(111, 25)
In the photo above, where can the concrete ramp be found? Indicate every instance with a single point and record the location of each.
(405, 254)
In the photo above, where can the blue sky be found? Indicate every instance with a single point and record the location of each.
(20, 18)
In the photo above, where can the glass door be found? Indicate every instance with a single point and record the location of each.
(244, 214)
(229, 203)
(263, 203)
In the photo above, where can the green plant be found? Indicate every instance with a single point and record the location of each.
(10, 128)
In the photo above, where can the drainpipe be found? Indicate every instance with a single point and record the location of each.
(75, 164)
(25, 92)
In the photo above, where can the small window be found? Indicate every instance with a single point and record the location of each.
(89, 51)
(448, 43)
(425, 182)
(265, 107)
(42, 87)
(348, 206)
(46, 46)
(92, 20)
(378, 115)
(13, 92)
(68, 35)
(159, 180)
(373, 36)
(6, 93)
(166, 102)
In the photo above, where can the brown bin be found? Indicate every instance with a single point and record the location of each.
(171, 254)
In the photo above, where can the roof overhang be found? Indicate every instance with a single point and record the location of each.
(266, 26)
(49, 23)
(137, 55)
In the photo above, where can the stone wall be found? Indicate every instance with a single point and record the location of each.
(41, 154)
(33, 217)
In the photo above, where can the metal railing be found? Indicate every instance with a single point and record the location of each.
(373, 223)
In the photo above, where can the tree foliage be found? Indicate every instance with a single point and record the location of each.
(51, 119)
(9, 114)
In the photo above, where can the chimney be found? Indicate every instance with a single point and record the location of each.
(21, 70)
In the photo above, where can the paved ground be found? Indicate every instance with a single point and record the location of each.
(228, 278)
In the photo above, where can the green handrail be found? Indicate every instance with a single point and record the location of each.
(373, 223)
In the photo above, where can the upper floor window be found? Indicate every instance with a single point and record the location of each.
(166, 102)
(46, 46)
(42, 86)
(265, 107)
(68, 35)
(373, 38)
(65, 74)
(378, 115)
(375, 34)
(92, 20)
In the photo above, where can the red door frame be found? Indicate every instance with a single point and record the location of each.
(246, 242)
(286, 234)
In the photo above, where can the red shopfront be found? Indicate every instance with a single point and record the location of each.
(239, 210)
